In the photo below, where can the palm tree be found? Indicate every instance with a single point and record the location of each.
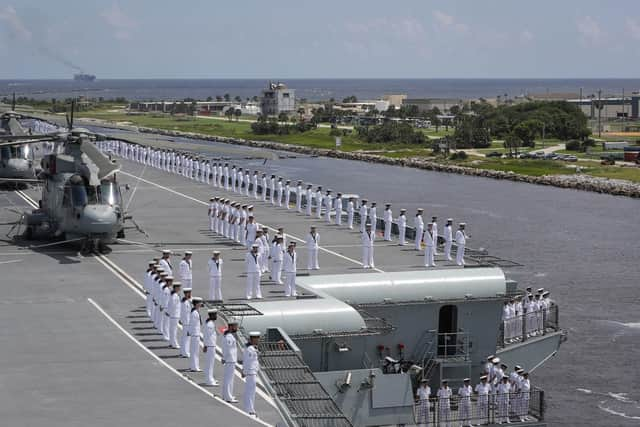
(237, 113)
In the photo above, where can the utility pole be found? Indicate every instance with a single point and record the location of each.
(599, 113)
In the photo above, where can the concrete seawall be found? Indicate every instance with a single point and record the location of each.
(578, 182)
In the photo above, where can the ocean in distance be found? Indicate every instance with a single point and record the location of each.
(312, 89)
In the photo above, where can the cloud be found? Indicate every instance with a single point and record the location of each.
(590, 31)
(406, 29)
(526, 36)
(122, 24)
(14, 24)
(633, 28)
(445, 22)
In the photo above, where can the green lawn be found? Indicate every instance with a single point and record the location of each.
(320, 138)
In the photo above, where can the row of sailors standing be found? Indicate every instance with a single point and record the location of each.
(509, 396)
(526, 315)
(234, 216)
(168, 310)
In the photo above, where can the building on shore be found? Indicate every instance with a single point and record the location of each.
(427, 104)
(611, 107)
(200, 108)
(395, 100)
(277, 98)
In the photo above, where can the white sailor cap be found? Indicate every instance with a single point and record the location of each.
(540, 290)
(491, 357)
(545, 293)
(424, 381)
(483, 377)
(250, 207)
(519, 370)
(255, 245)
(166, 251)
(466, 380)
(152, 262)
(449, 219)
(420, 210)
(169, 277)
(176, 284)
(495, 360)
(211, 198)
(517, 367)
(254, 334)
(187, 289)
(196, 299)
(445, 381)
(212, 310)
(462, 224)
(216, 252)
(164, 274)
(232, 321)
(188, 252)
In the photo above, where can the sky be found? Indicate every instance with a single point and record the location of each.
(321, 39)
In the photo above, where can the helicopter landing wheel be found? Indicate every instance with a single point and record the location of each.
(86, 248)
(103, 248)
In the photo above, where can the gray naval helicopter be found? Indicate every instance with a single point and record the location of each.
(16, 161)
(81, 200)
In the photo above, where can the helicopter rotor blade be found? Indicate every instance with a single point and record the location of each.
(105, 166)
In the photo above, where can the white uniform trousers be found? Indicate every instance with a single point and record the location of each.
(276, 272)
(312, 261)
(338, 217)
(429, 254)
(227, 382)
(253, 286)
(212, 223)
(447, 250)
(290, 285)
(350, 220)
(387, 230)
(185, 344)
(194, 353)
(156, 316)
(250, 393)
(149, 305)
(460, 255)
(173, 332)
(187, 283)
(165, 325)
(419, 232)
(464, 410)
(215, 288)
(402, 232)
(209, 361)
(367, 257)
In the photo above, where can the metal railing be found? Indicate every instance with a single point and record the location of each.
(486, 409)
(528, 325)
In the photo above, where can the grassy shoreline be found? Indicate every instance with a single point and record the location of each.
(320, 139)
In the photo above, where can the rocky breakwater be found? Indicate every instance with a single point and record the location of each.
(576, 181)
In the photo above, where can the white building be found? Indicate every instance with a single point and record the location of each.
(276, 99)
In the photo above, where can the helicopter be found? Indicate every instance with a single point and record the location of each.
(81, 199)
(16, 161)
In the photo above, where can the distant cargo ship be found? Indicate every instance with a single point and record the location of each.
(81, 77)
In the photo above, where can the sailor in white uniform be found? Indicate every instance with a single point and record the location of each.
(402, 227)
(319, 200)
(254, 184)
(525, 396)
(448, 239)
(247, 182)
(503, 390)
(287, 194)
(173, 310)
(429, 247)
(418, 223)
(147, 284)
(195, 323)
(373, 216)
(209, 347)
(388, 221)
(290, 268)
(215, 276)
(263, 182)
(272, 190)
(280, 191)
(444, 403)
(338, 207)
(434, 221)
(328, 205)
(368, 237)
(313, 243)
(165, 262)
(226, 178)
(250, 369)
(423, 394)
(229, 360)
(277, 258)
(364, 213)
(461, 241)
(211, 212)
(253, 270)
(185, 316)
(299, 197)
(464, 402)
(185, 268)
(164, 305)
(350, 211)
(250, 232)
(240, 180)
(483, 389)
(308, 200)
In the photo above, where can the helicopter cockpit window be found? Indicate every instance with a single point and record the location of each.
(5, 153)
(79, 195)
(109, 193)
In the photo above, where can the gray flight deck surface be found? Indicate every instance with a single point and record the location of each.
(65, 363)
